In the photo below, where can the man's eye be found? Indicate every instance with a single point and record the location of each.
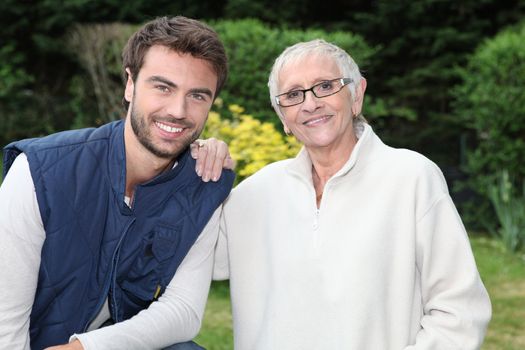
(162, 88)
(198, 97)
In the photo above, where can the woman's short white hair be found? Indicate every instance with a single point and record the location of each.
(347, 66)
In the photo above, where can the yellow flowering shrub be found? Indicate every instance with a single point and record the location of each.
(253, 144)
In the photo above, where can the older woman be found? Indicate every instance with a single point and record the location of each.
(352, 244)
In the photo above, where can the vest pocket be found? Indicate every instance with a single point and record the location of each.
(151, 266)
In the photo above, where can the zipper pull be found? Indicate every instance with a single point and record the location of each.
(157, 292)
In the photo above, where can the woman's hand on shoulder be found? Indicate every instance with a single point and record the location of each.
(212, 157)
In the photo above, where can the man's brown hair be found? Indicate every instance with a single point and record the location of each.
(180, 34)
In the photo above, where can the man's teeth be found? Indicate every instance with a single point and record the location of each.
(168, 128)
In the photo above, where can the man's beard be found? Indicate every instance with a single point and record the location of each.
(140, 127)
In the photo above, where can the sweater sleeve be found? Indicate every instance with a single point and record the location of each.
(21, 238)
(177, 315)
(456, 306)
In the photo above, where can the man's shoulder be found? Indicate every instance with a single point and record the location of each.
(61, 145)
(65, 138)
(185, 180)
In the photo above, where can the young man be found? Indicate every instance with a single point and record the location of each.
(95, 224)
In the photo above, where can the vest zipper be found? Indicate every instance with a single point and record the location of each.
(109, 279)
(116, 255)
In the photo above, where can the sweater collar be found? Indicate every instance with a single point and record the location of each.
(362, 154)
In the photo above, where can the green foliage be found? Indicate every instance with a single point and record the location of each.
(300, 13)
(19, 116)
(422, 43)
(410, 77)
(20, 121)
(252, 47)
(491, 102)
(13, 77)
(14, 96)
(98, 48)
(509, 205)
(252, 143)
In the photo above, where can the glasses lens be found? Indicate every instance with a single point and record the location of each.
(327, 88)
(291, 98)
(323, 89)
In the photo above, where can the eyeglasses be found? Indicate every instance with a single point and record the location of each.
(320, 90)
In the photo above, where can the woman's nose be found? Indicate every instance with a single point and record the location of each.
(311, 102)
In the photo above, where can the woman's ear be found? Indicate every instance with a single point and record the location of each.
(357, 104)
(287, 130)
(362, 88)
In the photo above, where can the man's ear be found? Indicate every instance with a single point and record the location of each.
(130, 87)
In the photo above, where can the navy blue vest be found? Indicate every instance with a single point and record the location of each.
(96, 246)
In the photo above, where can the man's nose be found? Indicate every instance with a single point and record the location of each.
(176, 106)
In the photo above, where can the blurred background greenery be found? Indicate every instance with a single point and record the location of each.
(445, 78)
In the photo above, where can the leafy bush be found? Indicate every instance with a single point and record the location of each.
(253, 144)
(98, 49)
(12, 75)
(13, 95)
(491, 102)
(509, 205)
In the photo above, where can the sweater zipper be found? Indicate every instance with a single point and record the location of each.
(109, 279)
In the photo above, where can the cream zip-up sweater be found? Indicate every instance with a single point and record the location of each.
(383, 264)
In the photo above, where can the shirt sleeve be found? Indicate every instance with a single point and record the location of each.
(456, 305)
(221, 267)
(21, 238)
(177, 315)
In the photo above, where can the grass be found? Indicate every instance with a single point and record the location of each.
(216, 332)
(503, 274)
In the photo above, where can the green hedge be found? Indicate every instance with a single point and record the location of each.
(491, 102)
